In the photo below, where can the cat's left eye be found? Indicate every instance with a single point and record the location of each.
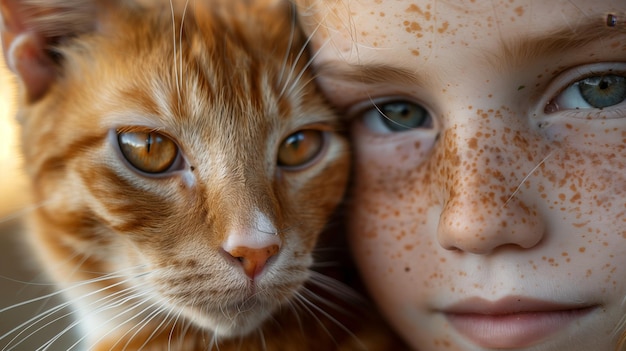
(150, 152)
(300, 148)
(596, 91)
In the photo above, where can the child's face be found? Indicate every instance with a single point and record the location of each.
(489, 208)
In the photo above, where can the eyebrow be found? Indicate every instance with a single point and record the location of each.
(512, 53)
(574, 37)
(369, 74)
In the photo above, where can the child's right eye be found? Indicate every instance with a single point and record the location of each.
(396, 116)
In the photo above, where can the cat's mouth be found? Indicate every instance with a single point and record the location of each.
(237, 311)
(232, 319)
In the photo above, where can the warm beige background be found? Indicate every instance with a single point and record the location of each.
(20, 278)
(11, 181)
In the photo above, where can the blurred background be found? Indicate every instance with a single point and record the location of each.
(20, 279)
(11, 180)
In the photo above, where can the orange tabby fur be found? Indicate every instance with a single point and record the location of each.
(225, 81)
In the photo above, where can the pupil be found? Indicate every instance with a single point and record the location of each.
(604, 85)
(149, 142)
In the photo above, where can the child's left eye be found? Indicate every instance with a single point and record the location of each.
(603, 91)
(594, 92)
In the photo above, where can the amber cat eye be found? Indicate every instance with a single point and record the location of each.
(300, 148)
(149, 152)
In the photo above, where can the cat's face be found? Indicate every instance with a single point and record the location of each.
(185, 169)
(490, 158)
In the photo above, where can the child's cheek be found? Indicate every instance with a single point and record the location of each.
(596, 148)
(586, 174)
(390, 162)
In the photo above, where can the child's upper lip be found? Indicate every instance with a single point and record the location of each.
(511, 305)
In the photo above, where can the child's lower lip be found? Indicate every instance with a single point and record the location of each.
(513, 330)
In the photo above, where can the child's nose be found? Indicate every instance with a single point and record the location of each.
(483, 207)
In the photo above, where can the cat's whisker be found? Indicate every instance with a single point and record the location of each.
(157, 313)
(332, 319)
(214, 342)
(33, 321)
(126, 295)
(175, 52)
(84, 337)
(294, 308)
(297, 89)
(296, 82)
(224, 313)
(292, 32)
(302, 52)
(23, 212)
(305, 304)
(326, 302)
(42, 274)
(25, 282)
(619, 331)
(292, 228)
(180, 78)
(335, 287)
(170, 336)
(51, 341)
(127, 309)
(108, 276)
(171, 319)
(42, 316)
(518, 188)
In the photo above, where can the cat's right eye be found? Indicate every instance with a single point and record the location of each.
(149, 152)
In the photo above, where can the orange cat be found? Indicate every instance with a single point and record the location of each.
(184, 164)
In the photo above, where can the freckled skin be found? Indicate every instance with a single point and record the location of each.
(499, 198)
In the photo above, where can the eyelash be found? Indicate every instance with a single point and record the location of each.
(564, 82)
(372, 115)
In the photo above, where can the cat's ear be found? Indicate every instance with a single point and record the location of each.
(29, 30)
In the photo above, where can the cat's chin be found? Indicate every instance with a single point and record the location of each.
(233, 321)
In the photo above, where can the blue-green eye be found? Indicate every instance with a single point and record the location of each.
(396, 116)
(603, 91)
(597, 92)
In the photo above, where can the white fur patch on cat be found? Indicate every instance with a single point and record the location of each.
(260, 234)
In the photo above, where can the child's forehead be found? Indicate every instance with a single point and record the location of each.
(420, 33)
(374, 22)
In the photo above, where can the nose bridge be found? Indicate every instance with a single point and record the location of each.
(252, 194)
(482, 164)
(251, 234)
(241, 201)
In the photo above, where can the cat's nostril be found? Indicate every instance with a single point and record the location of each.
(253, 260)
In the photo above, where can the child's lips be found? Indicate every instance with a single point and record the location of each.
(512, 322)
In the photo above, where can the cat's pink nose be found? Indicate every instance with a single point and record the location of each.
(253, 260)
